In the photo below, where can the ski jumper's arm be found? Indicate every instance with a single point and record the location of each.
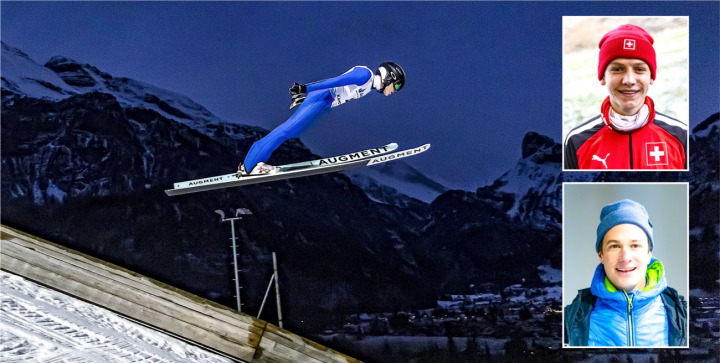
(357, 75)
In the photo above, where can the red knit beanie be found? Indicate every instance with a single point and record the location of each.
(626, 41)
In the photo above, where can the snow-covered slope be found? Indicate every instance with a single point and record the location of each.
(22, 76)
(536, 182)
(42, 325)
(376, 181)
(61, 77)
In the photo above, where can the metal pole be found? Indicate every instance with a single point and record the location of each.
(238, 213)
(277, 291)
(237, 280)
(266, 294)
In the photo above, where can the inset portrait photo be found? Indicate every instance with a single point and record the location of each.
(625, 264)
(625, 93)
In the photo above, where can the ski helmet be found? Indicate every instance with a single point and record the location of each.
(390, 72)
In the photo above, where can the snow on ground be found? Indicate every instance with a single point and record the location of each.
(42, 325)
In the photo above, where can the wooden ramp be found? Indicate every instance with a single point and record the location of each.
(162, 307)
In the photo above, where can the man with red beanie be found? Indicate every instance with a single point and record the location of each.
(628, 133)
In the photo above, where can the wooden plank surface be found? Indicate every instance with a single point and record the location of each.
(153, 303)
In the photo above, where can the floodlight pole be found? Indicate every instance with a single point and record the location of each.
(277, 290)
(238, 215)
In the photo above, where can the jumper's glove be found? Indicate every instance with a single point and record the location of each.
(298, 88)
(298, 92)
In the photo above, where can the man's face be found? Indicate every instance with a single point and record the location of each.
(625, 255)
(628, 82)
(390, 89)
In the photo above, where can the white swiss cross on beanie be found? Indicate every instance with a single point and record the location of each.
(626, 41)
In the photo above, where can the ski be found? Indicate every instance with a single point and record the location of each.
(235, 179)
(341, 158)
(335, 160)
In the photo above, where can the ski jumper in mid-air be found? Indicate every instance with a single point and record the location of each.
(313, 98)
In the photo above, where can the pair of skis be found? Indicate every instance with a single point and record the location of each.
(320, 166)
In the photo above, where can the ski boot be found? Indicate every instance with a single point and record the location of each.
(259, 169)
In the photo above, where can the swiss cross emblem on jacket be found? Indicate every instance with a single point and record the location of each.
(595, 145)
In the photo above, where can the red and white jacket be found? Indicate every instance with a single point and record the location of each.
(596, 145)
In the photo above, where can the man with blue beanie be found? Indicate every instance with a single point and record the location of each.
(628, 302)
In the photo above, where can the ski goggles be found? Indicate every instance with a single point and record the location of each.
(398, 85)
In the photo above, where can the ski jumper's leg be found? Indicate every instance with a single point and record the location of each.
(315, 102)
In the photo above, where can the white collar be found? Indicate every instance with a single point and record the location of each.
(629, 123)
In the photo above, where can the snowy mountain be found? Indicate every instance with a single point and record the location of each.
(704, 182)
(705, 138)
(22, 76)
(535, 183)
(61, 78)
(377, 181)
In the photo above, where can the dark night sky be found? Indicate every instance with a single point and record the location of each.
(479, 75)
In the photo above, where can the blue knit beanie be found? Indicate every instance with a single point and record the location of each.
(624, 211)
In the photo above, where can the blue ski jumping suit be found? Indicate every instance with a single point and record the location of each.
(321, 96)
(604, 316)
